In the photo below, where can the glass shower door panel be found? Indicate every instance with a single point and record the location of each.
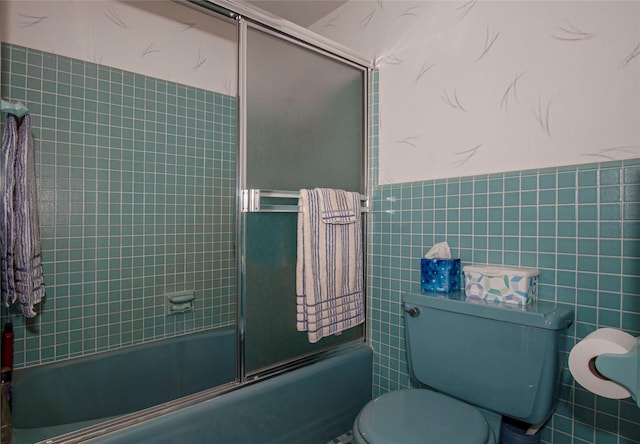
(304, 130)
(270, 309)
(304, 118)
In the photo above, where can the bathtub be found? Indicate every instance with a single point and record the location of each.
(57, 398)
(310, 405)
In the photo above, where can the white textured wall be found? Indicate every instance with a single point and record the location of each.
(161, 39)
(473, 87)
(466, 87)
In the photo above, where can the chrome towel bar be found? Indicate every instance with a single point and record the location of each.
(278, 201)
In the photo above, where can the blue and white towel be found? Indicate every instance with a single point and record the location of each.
(20, 256)
(329, 274)
(9, 142)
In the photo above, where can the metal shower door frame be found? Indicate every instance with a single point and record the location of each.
(246, 198)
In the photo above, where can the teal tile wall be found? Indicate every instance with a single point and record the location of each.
(579, 225)
(136, 186)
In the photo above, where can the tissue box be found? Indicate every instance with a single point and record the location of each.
(511, 285)
(440, 275)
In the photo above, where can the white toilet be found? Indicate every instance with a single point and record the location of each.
(481, 361)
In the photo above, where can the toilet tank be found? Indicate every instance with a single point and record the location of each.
(501, 357)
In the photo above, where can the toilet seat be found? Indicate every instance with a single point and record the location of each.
(420, 416)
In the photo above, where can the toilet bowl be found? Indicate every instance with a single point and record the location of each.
(481, 361)
(413, 416)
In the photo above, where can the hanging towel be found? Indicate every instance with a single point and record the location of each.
(9, 142)
(338, 207)
(329, 272)
(21, 257)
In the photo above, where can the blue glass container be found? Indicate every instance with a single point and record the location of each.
(440, 275)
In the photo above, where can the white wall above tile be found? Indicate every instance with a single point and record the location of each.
(475, 87)
(160, 39)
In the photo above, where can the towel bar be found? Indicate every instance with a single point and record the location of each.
(277, 201)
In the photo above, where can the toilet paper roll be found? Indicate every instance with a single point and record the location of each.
(583, 356)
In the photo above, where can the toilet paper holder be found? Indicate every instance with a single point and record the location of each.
(623, 369)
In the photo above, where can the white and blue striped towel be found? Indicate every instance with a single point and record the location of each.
(329, 274)
(20, 257)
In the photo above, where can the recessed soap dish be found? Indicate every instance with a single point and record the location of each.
(179, 302)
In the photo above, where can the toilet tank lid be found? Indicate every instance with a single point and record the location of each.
(539, 314)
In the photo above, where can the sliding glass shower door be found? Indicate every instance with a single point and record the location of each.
(304, 129)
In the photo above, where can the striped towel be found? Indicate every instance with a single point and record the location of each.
(20, 258)
(329, 274)
(9, 142)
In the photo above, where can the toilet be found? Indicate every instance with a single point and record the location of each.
(481, 361)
